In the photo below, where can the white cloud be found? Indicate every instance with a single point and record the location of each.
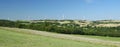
(88, 1)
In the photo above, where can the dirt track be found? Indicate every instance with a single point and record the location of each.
(65, 36)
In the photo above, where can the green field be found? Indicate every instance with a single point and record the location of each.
(101, 37)
(16, 39)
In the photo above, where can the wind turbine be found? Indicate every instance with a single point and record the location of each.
(44, 18)
(63, 16)
(8, 18)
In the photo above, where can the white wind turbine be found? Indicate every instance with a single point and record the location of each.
(63, 16)
(8, 18)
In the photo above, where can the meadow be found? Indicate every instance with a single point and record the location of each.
(14, 37)
(17, 39)
(54, 34)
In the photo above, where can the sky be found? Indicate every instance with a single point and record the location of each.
(60, 9)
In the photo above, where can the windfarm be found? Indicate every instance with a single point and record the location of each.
(59, 23)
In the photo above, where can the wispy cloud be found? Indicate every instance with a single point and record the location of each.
(88, 1)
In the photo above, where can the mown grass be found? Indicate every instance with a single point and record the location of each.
(16, 39)
(101, 37)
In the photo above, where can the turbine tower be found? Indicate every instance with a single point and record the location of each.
(63, 16)
(8, 18)
(45, 18)
(28, 17)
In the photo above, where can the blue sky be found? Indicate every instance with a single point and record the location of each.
(55, 9)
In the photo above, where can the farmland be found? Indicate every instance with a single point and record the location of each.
(19, 39)
(59, 23)
(102, 41)
(58, 33)
(82, 27)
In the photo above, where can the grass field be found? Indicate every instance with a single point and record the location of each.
(101, 37)
(16, 39)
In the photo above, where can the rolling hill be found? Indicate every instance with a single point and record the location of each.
(14, 37)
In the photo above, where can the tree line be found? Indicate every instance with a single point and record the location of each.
(70, 28)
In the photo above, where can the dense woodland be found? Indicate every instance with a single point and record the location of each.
(70, 28)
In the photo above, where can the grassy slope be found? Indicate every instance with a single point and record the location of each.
(101, 37)
(15, 39)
